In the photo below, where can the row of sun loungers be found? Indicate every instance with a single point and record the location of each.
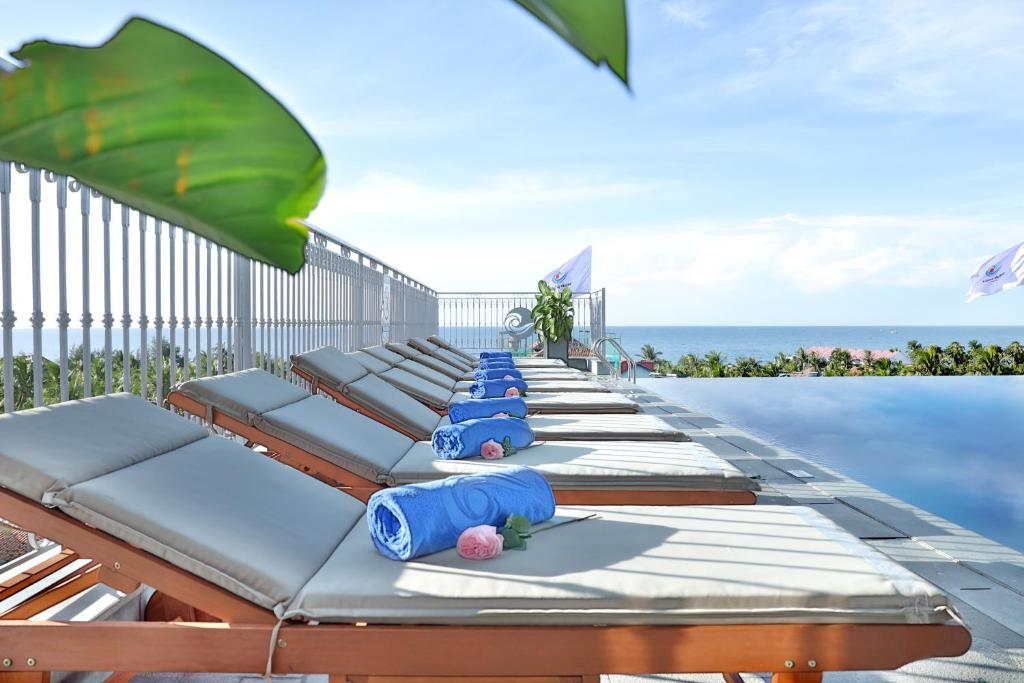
(262, 560)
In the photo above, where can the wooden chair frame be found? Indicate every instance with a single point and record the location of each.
(361, 488)
(358, 653)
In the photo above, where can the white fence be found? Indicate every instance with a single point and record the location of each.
(483, 321)
(168, 304)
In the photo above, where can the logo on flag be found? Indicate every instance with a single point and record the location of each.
(574, 273)
(1000, 272)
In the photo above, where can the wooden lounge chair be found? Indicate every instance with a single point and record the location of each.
(283, 565)
(452, 380)
(458, 372)
(331, 372)
(474, 359)
(349, 450)
(434, 395)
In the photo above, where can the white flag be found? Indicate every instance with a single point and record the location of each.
(1002, 271)
(574, 273)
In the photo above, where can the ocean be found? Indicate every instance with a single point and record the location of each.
(763, 343)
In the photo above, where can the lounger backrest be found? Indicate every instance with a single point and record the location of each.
(431, 375)
(452, 359)
(329, 366)
(403, 349)
(414, 385)
(395, 405)
(389, 357)
(243, 395)
(370, 362)
(469, 358)
(45, 450)
(250, 525)
(433, 363)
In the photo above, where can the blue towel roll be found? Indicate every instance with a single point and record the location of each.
(460, 411)
(419, 519)
(497, 373)
(495, 388)
(484, 355)
(464, 439)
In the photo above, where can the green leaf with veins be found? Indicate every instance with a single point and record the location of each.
(160, 122)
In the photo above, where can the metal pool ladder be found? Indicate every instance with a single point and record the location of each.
(630, 363)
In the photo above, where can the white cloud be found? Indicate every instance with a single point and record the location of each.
(687, 12)
(912, 55)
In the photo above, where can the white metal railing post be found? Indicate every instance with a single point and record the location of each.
(242, 314)
(7, 318)
(85, 194)
(63, 319)
(126, 317)
(143, 320)
(35, 197)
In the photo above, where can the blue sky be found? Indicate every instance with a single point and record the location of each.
(821, 162)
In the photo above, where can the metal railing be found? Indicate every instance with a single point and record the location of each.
(483, 321)
(597, 351)
(170, 304)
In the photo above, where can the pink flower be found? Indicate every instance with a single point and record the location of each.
(500, 415)
(479, 543)
(509, 377)
(511, 391)
(491, 450)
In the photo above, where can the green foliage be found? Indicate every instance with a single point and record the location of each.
(648, 352)
(954, 359)
(507, 448)
(553, 313)
(596, 28)
(159, 122)
(515, 532)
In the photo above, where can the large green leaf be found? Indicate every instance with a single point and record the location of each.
(596, 28)
(163, 124)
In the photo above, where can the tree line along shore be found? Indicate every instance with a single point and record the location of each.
(916, 359)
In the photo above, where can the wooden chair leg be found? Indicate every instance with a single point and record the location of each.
(796, 678)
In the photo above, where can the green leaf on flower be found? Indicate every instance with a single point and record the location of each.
(507, 448)
(163, 124)
(520, 523)
(512, 540)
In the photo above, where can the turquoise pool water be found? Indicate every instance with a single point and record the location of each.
(951, 445)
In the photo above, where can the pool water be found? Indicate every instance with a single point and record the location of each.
(951, 445)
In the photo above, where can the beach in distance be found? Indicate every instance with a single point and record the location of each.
(765, 342)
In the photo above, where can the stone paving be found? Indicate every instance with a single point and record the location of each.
(984, 579)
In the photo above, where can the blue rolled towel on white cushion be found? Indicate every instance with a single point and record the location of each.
(418, 519)
(460, 411)
(485, 355)
(495, 388)
(465, 439)
(498, 373)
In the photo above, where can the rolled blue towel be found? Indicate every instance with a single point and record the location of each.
(495, 388)
(497, 373)
(484, 355)
(419, 519)
(464, 439)
(460, 411)
(496, 361)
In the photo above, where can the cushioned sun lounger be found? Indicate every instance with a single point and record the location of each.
(439, 398)
(541, 386)
(462, 385)
(349, 383)
(539, 374)
(474, 360)
(345, 448)
(255, 543)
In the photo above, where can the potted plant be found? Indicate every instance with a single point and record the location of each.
(553, 319)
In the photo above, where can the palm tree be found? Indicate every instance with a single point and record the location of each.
(801, 359)
(648, 352)
(956, 356)
(839, 362)
(745, 366)
(912, 346)
(868, 362)
(928, 360)
(1015, 357)
(987, 360)
(688, 366)
(713, 364)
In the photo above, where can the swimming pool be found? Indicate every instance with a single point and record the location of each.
(951, 445)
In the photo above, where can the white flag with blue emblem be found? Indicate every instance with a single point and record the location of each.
(1002, 271)
(574, 273)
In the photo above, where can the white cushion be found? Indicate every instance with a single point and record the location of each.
(330, 366)
(612, 465)
(244, 394)
(547, 386)
(339, 435)
(417, 387)
(397, 406)
(579, 402)
(421, 370)
(635, 565)
(45, 450)
(603, 428)
(370, 362)
(240, 520)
